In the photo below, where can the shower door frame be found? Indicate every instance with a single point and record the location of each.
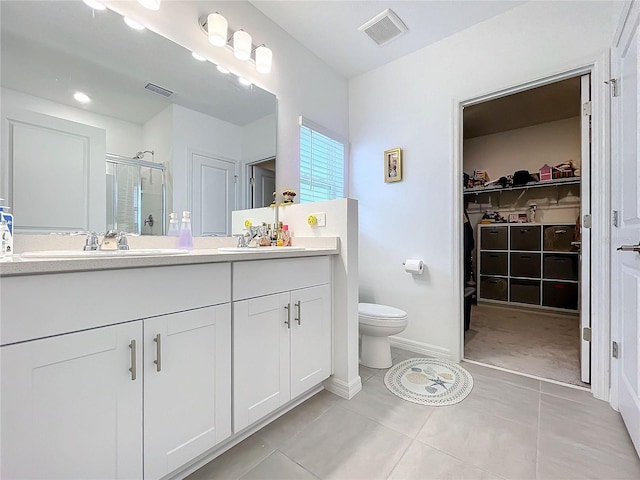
(132, 162)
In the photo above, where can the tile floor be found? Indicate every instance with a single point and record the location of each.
(509, 427)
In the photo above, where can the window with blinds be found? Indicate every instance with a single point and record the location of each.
(322, 164)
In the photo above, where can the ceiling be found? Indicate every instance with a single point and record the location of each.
(548, 103)
(330, 28)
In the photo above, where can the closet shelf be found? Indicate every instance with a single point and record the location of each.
(545, 183)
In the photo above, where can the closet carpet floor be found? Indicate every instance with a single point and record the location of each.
(543, 344)
(509, 427)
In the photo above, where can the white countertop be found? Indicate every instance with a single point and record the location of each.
(17, 265)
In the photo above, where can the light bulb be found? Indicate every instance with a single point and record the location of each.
(264, 57)
(217, 28)
(133, 24)
(150, 4)
(95, 4)
(242, 45)
(81, 97)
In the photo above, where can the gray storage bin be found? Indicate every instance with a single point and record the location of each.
(493, 263)
(560, 266)
(560, 295)
(558, 238)
(524, 291)
(494, 238)
(494, 288)
(525, 237)
(525, 265)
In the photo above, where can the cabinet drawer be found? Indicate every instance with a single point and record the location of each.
(494, 238)
(525, 237)
(524, 291)
(525, 265)
(558, 238)
(493, 288)
(560, 295)
(560, 266)
(264, 277)
(69, 302)
(493, 263)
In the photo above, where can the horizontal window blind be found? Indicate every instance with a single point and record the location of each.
(322, 160)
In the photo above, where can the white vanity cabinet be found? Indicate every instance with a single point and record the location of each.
(281, 333)
(105, 362)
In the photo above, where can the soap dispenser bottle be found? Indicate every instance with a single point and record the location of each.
(185, 239)
(174, 227)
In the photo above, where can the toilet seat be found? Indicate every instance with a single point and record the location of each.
(380, 315)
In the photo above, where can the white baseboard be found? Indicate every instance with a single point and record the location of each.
(342, 388)
(422, 348)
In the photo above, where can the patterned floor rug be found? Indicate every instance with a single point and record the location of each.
(429, 381)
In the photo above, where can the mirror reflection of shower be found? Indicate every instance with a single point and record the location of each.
(135, 194)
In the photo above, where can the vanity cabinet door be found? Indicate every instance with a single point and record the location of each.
(310, 338)
(70, 406)
(260, 357)
(187, 386)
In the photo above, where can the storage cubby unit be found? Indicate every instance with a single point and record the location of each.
(529, 264)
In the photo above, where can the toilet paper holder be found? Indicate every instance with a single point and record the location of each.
(413, 266)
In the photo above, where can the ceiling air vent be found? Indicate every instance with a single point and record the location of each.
(384, 27)
(158, 89)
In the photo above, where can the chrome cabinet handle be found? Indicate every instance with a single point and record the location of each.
(630, 248)
(133, 369)
(297, 319)
(158, 360)
(287, 307)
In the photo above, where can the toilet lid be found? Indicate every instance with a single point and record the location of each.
(373, 310)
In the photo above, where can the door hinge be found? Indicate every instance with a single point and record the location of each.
(252, 181)
(614, 218)
(615, 350)
(586, 334)
(615, 87)
(586, 221)
(586, 108)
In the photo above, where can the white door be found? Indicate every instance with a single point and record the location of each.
(213, 195)
(263, 184)
(187, 386)
(260, 357)
(585, 233)
(70, 407)
(310, 338)
(625, 265)
(50, 158)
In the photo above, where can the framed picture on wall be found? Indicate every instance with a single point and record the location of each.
(393, 165)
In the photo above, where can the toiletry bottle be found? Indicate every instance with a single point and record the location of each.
(286, 235)
(280, 236)
(6, 231)
(174, 227)
(185, 240)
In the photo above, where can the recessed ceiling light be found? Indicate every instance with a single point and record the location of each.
(244, 81)
(95, 4)
(221, 69)
(198, 57)
(133, 24)
(81, 97)
(150, 4)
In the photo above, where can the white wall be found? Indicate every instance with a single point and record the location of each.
(259, 140)
(527, 148)
(410, 103)
(123, 138)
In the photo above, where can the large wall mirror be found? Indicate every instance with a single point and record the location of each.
(160, 126)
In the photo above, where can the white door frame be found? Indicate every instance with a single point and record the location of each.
(600, 208)
(246, 186)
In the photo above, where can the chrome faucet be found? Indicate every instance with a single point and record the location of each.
(113, 240)
(244, 240)
(91, 243)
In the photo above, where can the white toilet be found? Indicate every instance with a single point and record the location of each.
(376, 323)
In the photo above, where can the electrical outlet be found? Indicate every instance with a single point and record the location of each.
(322, 219)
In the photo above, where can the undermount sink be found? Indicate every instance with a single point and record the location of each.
(259, 249)
(139, 252)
